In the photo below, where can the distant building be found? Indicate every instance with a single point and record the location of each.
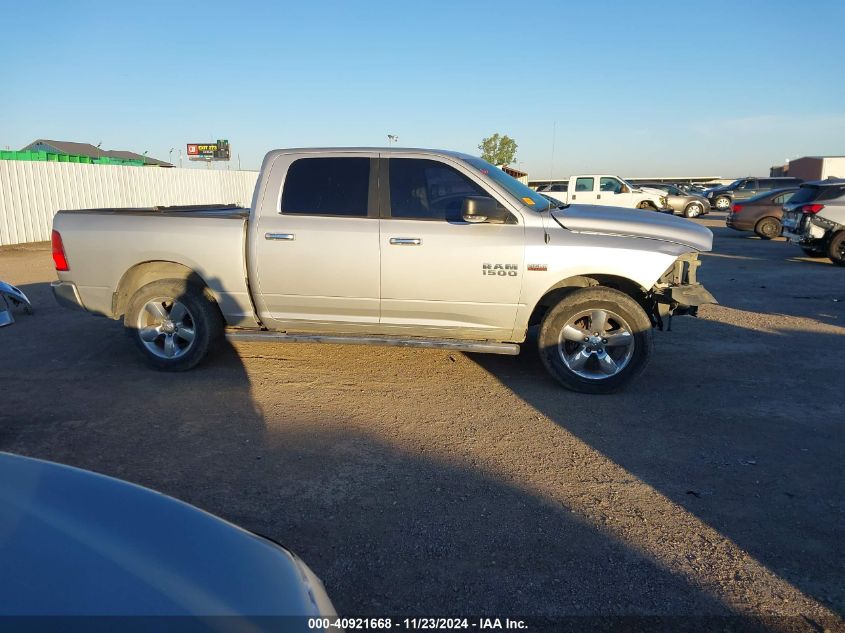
(812, 168)
(521, 176)
(91, 151)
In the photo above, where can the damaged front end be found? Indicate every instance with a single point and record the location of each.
(11, 297)
(678, 292)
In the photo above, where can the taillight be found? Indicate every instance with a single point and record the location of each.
(812, 208)
(59, 252)
(736, 208)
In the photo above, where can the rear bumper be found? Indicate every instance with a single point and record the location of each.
(67, 295)
(732, 222)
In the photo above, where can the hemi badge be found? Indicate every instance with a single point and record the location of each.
(539, 267)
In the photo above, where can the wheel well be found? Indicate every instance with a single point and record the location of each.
(562, 288)
(142, 274)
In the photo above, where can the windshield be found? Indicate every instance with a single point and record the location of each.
(521, 192)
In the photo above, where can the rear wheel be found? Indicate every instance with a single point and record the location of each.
(767, 228)
(722, 203)
(693, 210)
(836, 249)
(595, 340)
(173, 323)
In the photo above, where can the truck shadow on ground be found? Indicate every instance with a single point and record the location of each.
(390, 531)
(748, 454)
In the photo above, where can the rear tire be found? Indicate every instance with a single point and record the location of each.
(173, 324)
(768, 228)
(836, 249)
(595, 340)
(693, 210)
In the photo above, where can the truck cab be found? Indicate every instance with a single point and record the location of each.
(408, 247)
(609, 190)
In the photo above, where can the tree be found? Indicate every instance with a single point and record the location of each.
(498, 150)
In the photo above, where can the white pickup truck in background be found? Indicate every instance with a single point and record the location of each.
(606, 190)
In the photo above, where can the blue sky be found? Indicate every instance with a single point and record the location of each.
(637, 89)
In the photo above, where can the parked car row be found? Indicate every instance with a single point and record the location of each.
(744, 188)
(811, 215)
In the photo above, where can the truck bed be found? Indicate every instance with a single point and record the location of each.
(222, 211)
(102, 245)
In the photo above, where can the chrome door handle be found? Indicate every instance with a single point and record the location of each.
(405, 241)
(287, 237)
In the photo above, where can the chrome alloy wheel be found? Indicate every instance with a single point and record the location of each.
(596, 344)
(694, 210)
(166, 327)
(723, 203)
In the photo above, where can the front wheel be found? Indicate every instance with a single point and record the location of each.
(722, 203)
(173, 323)
(595, 340)
(768, 228)
(648, 206)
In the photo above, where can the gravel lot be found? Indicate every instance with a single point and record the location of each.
(436, 483)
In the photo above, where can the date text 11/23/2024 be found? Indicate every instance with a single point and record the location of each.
(430, 624)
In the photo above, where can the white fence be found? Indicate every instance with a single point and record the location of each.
(31, 192)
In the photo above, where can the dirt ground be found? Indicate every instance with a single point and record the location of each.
(433, 483)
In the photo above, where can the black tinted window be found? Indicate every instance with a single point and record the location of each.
(429, 190)
(327, 186)
(805, 194)
(831, 193)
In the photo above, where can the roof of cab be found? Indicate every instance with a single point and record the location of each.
(380, 150)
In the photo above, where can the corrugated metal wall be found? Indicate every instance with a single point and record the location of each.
(31, 192)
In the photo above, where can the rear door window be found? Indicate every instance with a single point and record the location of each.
(327, 186)
(584, 184)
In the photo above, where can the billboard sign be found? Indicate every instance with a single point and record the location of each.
(209, 151)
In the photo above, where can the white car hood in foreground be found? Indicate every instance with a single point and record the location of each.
(583, 218)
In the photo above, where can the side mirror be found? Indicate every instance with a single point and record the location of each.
(478, 209)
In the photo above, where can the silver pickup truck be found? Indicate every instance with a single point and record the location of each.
(406, 247)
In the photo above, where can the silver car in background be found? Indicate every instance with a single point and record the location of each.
(689, 205)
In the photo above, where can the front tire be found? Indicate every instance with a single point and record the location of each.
(595, 340)
(173, 324)
(768, 228)
(648, 206)
(722, 203)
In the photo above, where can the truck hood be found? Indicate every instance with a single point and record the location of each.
(634, 223)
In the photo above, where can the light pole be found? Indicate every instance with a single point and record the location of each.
(170, 155)
(98, 151)
(392, 138)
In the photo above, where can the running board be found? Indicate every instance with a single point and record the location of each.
(480, 347)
